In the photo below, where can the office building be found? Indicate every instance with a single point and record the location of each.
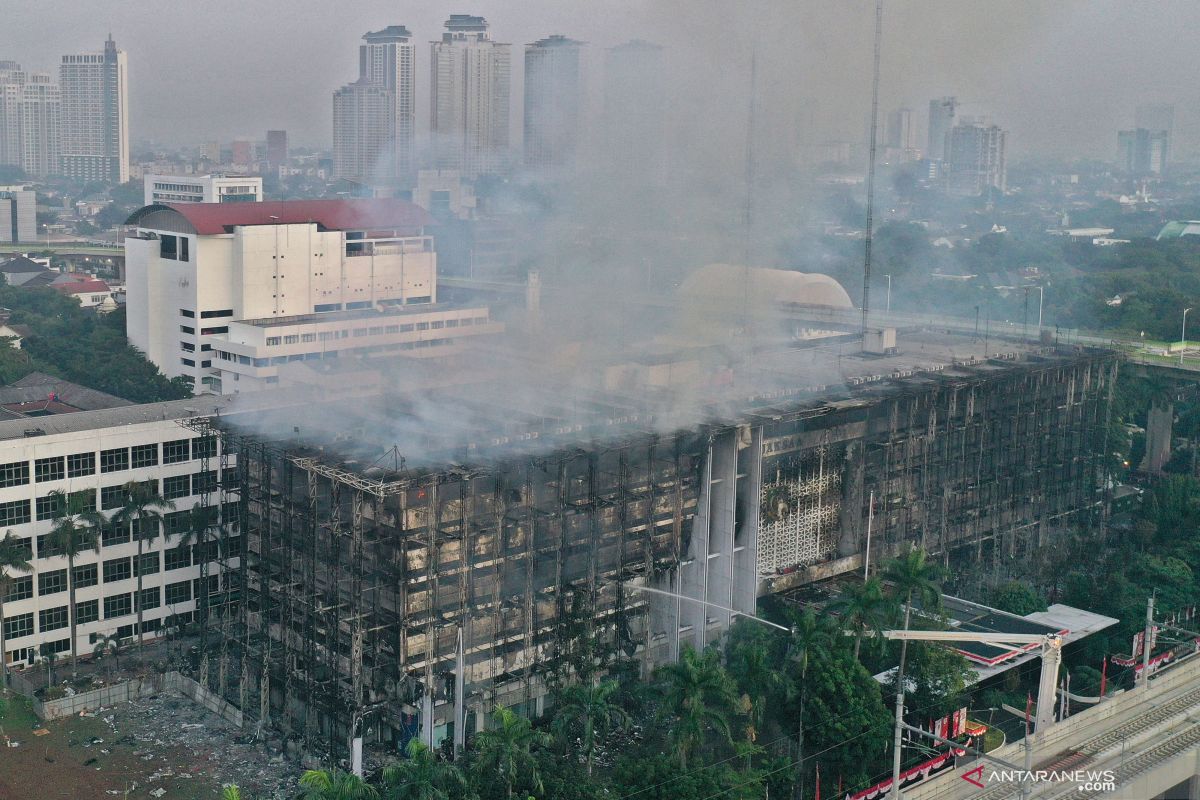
(902, 136)
(94, 141)
(242, 153)
(941, 120)
(635, 103)
(975, 160)
(297, 281)
(470, 83)
(1143, 152)
(277, 150)
(214, 188)
(552, 99)
(18, 214)
(30, 115)
(210, 152)
(364, 136)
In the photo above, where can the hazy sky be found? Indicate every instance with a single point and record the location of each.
(1062, 75)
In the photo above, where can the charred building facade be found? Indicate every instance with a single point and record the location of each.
(385, 600)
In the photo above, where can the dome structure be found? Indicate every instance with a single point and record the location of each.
(734, 285)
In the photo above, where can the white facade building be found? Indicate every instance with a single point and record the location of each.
(94, 144)
(553, 93)
(203, 189)
(975, 159)
(194, 270)
(30, 112)
(18, 214)
(470, 85)
(364, 132)
(97, 453)
(388, 59)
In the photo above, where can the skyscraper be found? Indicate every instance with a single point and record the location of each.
(552, 97)
(30, 108)
(941, 120)
(635, 111)
(975, 158)
(364, 116)
(94, 144)
(470, 83)
(388, 59)
(277, 149)
(1143, 151)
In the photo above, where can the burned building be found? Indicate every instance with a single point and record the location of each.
(414, 558)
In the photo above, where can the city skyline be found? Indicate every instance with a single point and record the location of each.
(1052, 49)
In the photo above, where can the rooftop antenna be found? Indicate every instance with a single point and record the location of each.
(866, 302)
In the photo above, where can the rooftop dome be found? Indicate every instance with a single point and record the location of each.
(760, 287)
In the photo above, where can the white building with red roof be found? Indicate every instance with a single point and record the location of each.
(204, 278)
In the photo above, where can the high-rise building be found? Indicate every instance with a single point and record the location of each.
(241, 152)
(30, 110)
(94, 142)
(18, 214)
(277, 149)
(975, 159)
(901, 132)
(211, 152)
(635, 111)
(1143, 151)
(388, 59)
(363, 132)
(552, 98)
(1155, 117)
(470, 83)
(941, 120)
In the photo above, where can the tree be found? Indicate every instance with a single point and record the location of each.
(754, 668)
(105, 645)
(320, 784)
(862, 607)
(812, 641)
(593, 709)
(14, 557)
(143, 513)
(699, 695)
(422, 776)
(77, 527)
(231, 792)
(506, 750)
(912, 576)
(1017, 597)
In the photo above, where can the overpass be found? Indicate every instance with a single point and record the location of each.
(1141, 744)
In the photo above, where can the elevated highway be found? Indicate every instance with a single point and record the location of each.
(1141, 744)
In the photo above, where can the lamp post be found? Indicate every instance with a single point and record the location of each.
(889, 293)
(1183, 336)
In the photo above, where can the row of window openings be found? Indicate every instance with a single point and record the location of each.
(121, 569)
(188, 347)
(330, 354)
(379, 330)
(120, 605)
(17, 512)
(123, 632)
(78, 465)
(189, 330)
(225, 312)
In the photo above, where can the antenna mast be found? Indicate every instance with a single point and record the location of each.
(866, 302)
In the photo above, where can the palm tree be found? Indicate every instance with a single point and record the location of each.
(812, 641)
(106, 644)
(14, 556)
(594, 709)
(76, 528)
(912, 576)
(231, 792)
(862, 607)
(700, 694)
(753, 665)
(422, 776)
(143, 512)
(506, 749)
(320, 784)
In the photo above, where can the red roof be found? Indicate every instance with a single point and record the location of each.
(80, 287)
(214, 218)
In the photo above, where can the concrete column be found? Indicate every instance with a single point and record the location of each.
(745, 552)
(1048, 686)
(852, 522)
(1158, 436)
(693, 572)
(721, 529)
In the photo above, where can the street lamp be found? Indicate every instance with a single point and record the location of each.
(1183, 336)
(889, 293)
